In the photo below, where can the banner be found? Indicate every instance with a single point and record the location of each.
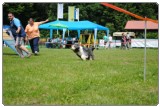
(60, 11)
(77, 14)
(101, 42)
(71, 13)
(150, 43)
(135, 43)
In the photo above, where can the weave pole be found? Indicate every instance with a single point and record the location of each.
(145, 58)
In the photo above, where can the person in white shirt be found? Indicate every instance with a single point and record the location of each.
(128, 40)
(105, 38)
(110, 41)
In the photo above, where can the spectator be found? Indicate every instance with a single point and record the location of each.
(48, 40)
(105, 38)
(128, 41)
(123, 41)
(48, 43)
(64, 42)
(18, 34)
(110, 41)
(33, 34)
(56, 42)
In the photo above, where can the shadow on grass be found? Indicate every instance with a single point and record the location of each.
(9, 54)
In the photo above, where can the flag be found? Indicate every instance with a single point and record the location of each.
(60, 10)
(71, 13)
(77, 14)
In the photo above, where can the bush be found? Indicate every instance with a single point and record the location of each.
(152, 35)
(44, 33)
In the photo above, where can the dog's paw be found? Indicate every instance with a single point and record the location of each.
(83, 57)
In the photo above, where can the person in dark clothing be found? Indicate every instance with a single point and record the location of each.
(18, 34)
(123, 41)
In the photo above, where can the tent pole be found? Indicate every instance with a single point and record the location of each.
(64, 31)
(95, 37)
(79, 32)
(68, 33)
(107, 32)
(51, 33)
(115, 41)
(145, 31)
(57, 20)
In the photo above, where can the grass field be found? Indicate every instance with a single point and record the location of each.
(59, 77)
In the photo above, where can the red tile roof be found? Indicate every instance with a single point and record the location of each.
(140, 25)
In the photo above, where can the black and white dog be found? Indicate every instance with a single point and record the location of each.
(83, 52)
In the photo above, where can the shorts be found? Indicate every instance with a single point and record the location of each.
(19, 41)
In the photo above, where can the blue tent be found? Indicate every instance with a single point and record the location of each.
(77, 25)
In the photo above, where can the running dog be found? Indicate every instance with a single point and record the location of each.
(83, 52)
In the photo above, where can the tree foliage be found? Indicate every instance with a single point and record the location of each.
(94, 12)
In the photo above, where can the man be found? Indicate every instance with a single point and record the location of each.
(105, 38)
(110, 41)
(18, 34)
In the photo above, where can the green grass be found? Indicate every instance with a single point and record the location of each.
(59, 77)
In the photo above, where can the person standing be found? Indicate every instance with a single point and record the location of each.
(105, 38)
(123, 41)
(33, 34)
(18, 34)
(110, 41)
(128, 40)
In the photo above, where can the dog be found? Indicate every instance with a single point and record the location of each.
(83, 52)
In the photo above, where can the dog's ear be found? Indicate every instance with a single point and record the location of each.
(93, 48)
(77, 49)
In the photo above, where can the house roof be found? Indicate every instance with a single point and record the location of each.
(140, 25)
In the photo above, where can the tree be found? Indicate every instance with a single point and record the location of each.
(94, 12)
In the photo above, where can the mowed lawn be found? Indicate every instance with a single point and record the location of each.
(59, 77)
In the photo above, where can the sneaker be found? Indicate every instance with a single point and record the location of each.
(22, 56)
(36, 53)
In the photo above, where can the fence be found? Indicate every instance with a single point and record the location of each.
(150, 43)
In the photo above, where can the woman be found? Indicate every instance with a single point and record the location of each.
(33, 34)
(123, 41)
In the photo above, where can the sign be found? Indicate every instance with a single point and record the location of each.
(77, 14)
(60, 11)
(101, 42)
(71, 13)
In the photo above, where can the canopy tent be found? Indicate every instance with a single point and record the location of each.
(78, 25)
